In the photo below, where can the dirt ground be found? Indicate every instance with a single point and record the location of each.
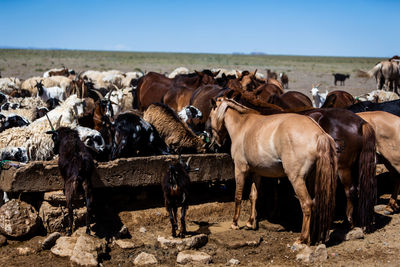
(211, 213)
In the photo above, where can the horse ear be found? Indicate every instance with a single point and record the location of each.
(216, 73)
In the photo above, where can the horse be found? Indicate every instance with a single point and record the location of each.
(290, 100)
(386, 71)
(387, 127)
(272, 146)
(338, 99)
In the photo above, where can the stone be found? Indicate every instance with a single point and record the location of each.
(142, 229)
(23, 251)
(192, 242)
(355, 233)
(319, 254)
(233, 262)
(55, 197)
(55, 219)
(145, 259)
(87, 249)
(128, 243)
(18, 219)
(236, 242)
(304, 254)
(50, 241)
(123, 232)
(3, 240)
(64, 246)
(192, 256)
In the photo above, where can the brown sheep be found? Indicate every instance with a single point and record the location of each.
(173, 130)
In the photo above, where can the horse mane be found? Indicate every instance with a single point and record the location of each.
(233, 105)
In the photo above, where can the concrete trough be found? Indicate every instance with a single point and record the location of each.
(44, 176)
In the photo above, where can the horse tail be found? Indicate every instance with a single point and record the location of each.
(366, 178)
(374, 71)
(325, 188)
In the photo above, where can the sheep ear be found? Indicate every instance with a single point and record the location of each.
(50, 132)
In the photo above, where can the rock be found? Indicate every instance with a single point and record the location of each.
(143, 229)
(64, 246)
(55, 197)
(55, 217)
(192, 242)
(18, 219)
(128, 243)
(307, 254)
(233, 262)
(3, 240)
(237, 242)
(23, 251)
(123, 232)
(145, 259)
(87, 250)
(319, 254)
(356, 233)
(304, 254)
(50, 241)
(188, 256)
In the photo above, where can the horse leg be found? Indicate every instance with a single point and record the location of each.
(346, 179)
(183, 223)
(306, 204)
(392, 205)
(240, 176)
(89, 200)
(251, 223)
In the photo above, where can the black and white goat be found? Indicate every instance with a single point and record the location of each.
(50, 92)
(11, 121)
(76, 167)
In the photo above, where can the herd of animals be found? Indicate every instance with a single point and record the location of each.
(269, 132)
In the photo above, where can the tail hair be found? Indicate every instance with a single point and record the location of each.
(324, 189)
(374, 71)
(366, 179)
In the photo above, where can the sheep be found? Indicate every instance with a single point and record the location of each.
(14, 153)
(104, 79)
(27, 107)
(380, 96)
(175, 185)
(129, 77)
(50, 92)
(59, 81)
(76, 167)
(91, 138)
(33, 137)
(318, 99)
(3, 98)
(177, 71)
(12, 121)
(173, 130)
(190, 112)
(56, 72)
(7, 85)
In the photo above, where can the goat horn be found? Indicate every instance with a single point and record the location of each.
(318, 85)
(58, 122)
(112, 102)
(98, 93)
(51, 125)
(188, 161)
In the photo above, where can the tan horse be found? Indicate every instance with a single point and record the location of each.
(276, 146)
(387, 128)
(386, 72)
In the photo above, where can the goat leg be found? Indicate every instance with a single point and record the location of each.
(68, 197)
(173, 221)
(89, 200)
(183, 223)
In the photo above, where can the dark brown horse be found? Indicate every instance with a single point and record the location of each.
(290, 100)
(338, 99)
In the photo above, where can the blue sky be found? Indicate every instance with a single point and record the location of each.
(331, 28)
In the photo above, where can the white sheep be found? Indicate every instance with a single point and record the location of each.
(177, 71)
(34, 139)
(8, 84)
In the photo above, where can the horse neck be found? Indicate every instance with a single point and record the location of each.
(233, 120)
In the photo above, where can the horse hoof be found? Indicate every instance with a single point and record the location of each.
(250, 226)
(234, 226)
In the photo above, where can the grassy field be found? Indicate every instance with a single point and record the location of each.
(302, 70)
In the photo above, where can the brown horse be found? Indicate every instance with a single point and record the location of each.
(277, 146)
(386, 71)
(290, 100)
(338, 99)
(356, 161)
(387, 127)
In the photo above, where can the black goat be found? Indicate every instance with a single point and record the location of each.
(40, 112)
(340, 77)
(175, 185)
(3, 98)
(76, 167)
(133, 136)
